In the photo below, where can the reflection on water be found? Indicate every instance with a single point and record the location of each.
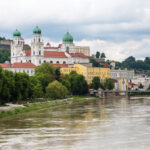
(110, 124)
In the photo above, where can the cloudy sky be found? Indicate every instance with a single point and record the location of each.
(120, 28)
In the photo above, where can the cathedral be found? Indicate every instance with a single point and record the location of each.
(65, 53)
(25, 60)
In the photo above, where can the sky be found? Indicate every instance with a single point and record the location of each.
(120, 28)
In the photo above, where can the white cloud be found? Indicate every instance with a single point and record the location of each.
(126, 21)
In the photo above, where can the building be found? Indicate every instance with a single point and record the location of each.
(88, 72)
(144, 80)
(123, 77)
(65, 54)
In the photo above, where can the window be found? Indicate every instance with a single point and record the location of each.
(57, 62)
(51, 62)
(67, 49)
(39, 39)
(29, 61)
(39, 52)
(64, 62)
(44, 61)
(39, 61)
(21, 61)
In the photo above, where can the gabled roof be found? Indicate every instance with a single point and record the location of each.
(54, 54)
(60, 65)
(28, 52)
(78, 55)
(5, 65)
(23, 65)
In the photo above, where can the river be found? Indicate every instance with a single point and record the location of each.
(110, 124)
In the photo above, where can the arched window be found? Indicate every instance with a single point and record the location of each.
(51, 62)
(57, 62)
(64, 62)
(67, 49)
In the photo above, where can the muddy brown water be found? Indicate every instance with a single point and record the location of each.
(110, 124)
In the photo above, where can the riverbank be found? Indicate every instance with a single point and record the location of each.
(42, 105)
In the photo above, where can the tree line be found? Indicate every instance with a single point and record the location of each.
(47, 82)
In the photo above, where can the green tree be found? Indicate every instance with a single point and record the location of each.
(45, 68)
(37, 91)
(108, 84)
(96, 83)
(94, 63)
(103, 55)
(4, 55)
(79, 85)
(97, 54)
(141, 86)
(56, 90)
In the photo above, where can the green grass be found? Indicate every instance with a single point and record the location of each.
(48, 104)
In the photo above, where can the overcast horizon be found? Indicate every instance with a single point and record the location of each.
(118, 28)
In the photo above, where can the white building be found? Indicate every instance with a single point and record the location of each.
(144, 80)
(65, 54)
(123, 77)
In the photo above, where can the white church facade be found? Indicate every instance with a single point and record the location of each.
(65, 54)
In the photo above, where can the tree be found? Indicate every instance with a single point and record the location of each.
(45, 68)
(56, 90)
(108, 84)
(103, 55)
(97, 54)
(79, 85)
(37, 91)
(94, 63)
(96, 83)
(4, 55)
(66, 83)
(141, 86)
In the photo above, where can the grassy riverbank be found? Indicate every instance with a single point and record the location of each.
(46, 104)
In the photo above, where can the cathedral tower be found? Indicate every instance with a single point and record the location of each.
(16, 46)
(37, 47)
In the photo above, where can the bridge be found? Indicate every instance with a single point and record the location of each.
(128, 93)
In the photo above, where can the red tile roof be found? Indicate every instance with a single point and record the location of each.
(50, 47)
(5, 65)
(60, 65)
(28, 52)
(54, 54)
(78, 55)
(23, 65)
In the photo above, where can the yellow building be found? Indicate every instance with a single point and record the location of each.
(88, 72)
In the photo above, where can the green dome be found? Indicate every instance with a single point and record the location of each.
(17, 33)
(37, 30)
(67, 38)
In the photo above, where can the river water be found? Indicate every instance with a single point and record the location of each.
(110, 124)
